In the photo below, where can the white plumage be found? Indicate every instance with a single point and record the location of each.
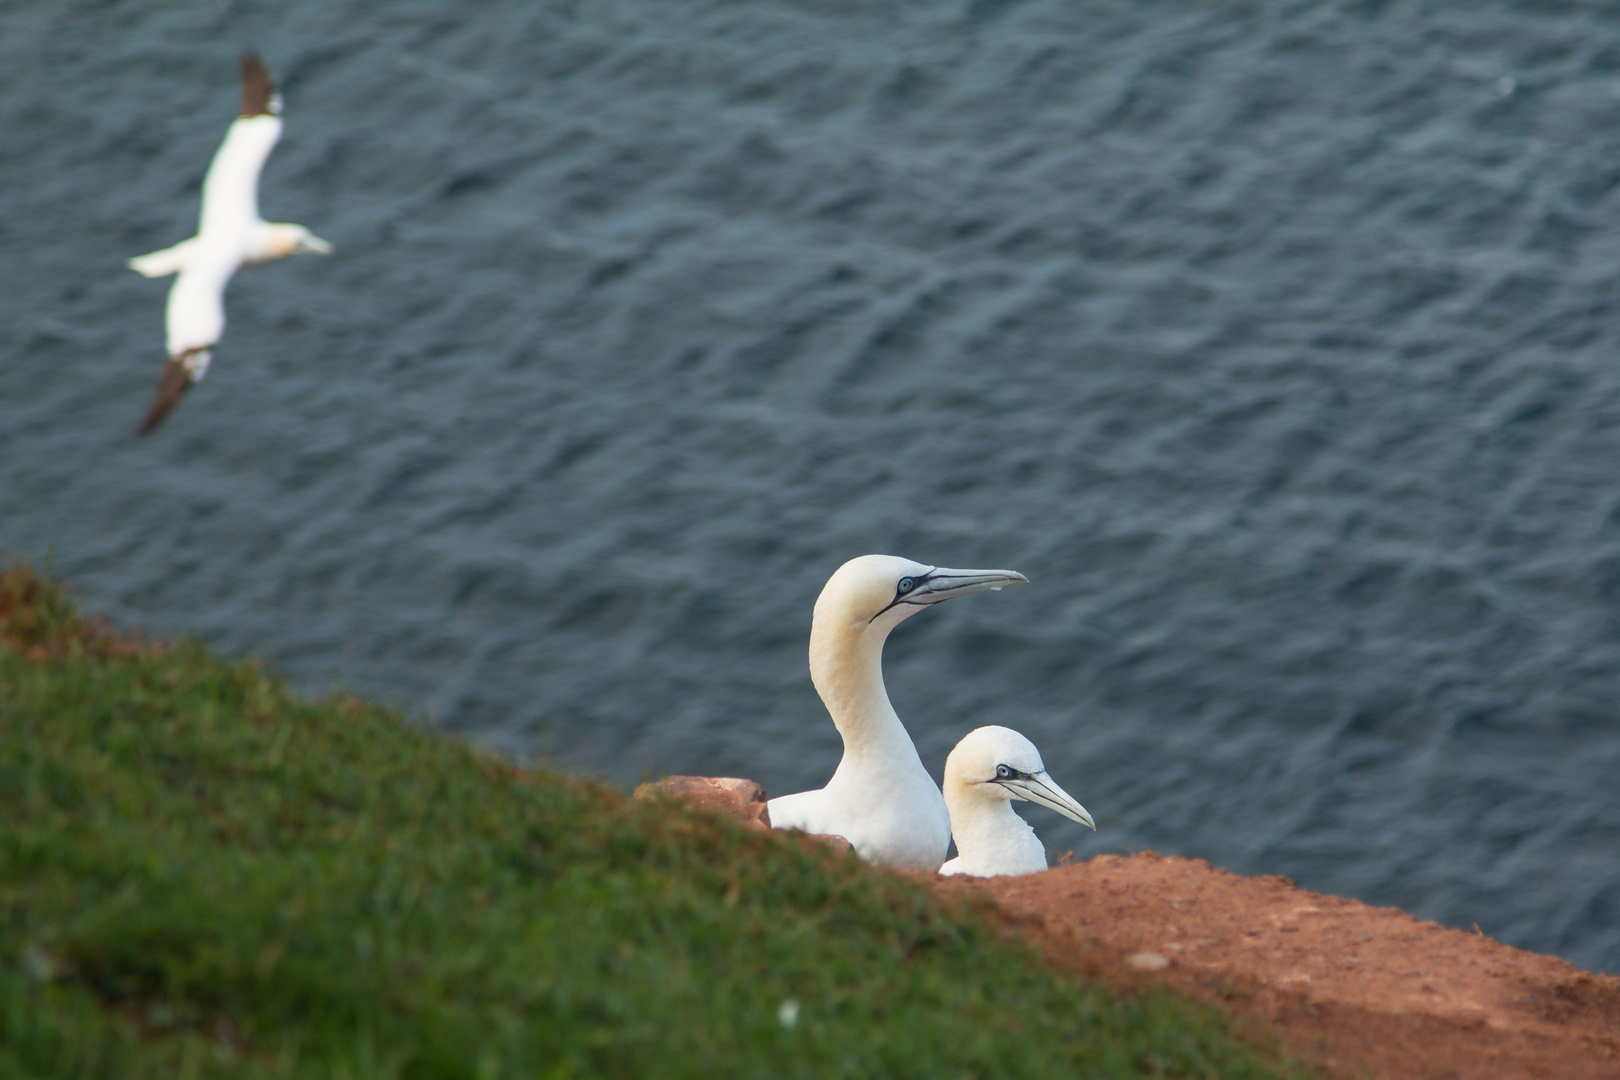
(989, 768)
(880, 799)
(230, 234)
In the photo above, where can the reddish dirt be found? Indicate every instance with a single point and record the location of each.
(1358, 990)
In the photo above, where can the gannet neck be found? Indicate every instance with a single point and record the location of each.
(846, 666)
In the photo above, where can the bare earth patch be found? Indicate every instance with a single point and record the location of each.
(1356, 989)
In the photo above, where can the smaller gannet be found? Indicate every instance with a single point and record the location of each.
(880, 798)
(230, 234)
(990, 768)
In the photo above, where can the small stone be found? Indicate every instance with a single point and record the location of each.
(39, 964)
(727, 796)
(1148, 961)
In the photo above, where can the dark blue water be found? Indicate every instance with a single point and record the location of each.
(1276, 343)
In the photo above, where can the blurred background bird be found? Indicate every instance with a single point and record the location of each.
(230, 234)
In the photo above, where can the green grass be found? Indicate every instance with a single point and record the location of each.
(203, 875)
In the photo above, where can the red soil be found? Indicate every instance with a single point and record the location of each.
(1355, 989)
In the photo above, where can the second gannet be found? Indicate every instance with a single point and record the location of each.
(989, 768)
(230, 234)
(880, 799)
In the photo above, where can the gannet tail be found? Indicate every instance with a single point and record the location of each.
(170, 260)
(178, 375)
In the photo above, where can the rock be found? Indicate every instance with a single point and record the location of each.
(725, 795)
(730, 797)
(1148, 961)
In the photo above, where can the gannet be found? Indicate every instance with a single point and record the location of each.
(230, 234)
(880, 799)
(990, 768)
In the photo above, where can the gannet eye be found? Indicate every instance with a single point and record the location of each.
(906, 585)
(1003, 772)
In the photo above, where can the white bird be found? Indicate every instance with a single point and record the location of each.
(230, 234)
(990, 768)
(880, 799)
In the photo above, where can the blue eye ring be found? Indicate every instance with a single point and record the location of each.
(906, 585)
(1003, 772)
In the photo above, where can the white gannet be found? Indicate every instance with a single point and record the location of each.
(230, 234)
(880, 799)
(990, 768)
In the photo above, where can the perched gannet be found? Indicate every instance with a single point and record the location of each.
(230, 234)
(880, 799)
(990, 768)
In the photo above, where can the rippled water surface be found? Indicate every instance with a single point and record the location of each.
(1275, 342)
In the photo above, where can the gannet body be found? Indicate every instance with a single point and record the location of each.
(880, 798)
(990, 768)
(230, 234)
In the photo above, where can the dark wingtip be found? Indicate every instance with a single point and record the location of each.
(171, 388)
(258, 91)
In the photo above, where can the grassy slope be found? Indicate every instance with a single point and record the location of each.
(203, 875)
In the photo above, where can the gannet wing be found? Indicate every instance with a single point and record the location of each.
(171, 388)
(196, 311)
(230, 201)
(196, 318)
(259, 97)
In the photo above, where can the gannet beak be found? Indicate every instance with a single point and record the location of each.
(315, 244)
(1039, 788)
(942, 583)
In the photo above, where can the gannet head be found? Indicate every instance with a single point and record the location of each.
(285, 239)
(999, 764)
(875, 593)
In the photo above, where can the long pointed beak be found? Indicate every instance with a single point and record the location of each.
(1039, 788)
(943, 583)
(315, 244)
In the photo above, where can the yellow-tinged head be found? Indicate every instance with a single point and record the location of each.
(283, 239)
(997, 764)
(879, 591)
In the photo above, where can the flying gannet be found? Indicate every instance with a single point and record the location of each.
(230, 234)
(880, 799)
(990, 768)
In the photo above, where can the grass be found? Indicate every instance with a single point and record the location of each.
(203, 875)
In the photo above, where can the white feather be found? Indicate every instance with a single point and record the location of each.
(230, 206)
(196, 311)
(880, 797)
(163, 263)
